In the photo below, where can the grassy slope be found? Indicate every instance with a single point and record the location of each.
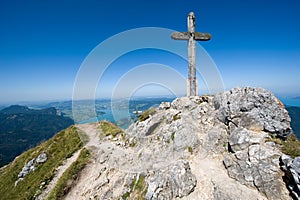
(65, 182)
(145, 115)
(58, 148)
(109, 128)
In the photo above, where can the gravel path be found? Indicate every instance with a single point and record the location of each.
(89, 129)
(60, 170)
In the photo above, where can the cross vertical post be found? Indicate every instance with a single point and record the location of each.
(191, 36)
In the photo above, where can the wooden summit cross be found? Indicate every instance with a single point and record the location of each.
(191, 36)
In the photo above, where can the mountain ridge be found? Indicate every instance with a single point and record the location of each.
(227, 146)
(18, 109)
(22, 128)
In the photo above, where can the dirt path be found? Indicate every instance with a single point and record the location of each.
(212, 176)
(91, 131)
(108, 164)
(66, 164)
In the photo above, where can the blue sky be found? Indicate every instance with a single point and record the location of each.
(43, 43)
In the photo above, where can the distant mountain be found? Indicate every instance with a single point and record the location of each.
(22, 128)
(16, 109)
(295, 116)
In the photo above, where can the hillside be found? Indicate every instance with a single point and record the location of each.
(19, 182)
(294, 112)
(234, 145)
(22, 128)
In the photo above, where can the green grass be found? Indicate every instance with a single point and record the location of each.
(138, 189)
(145, 115)
(132, 144)
(66, 180)
(109, 128)
(58, 148)
(176, 117)
(291, 146)
(190, 149)
(83, 136)
(126, 195)
(173, 136)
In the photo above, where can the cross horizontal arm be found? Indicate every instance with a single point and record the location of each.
(187, 35)
(180, 35)
(202, 36)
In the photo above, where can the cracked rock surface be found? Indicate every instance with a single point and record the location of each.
(202, 147)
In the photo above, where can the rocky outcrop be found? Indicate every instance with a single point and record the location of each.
(291, 167)
(255, 109)
(252, 114)
(208, 147)
(30, 166)
(255, 163)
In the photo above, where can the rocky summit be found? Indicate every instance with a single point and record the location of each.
(226, 146)
(202, 147)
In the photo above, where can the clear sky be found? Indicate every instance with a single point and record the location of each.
(43, 43)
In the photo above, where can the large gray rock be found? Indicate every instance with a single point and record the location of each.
(29, 167)
(255, 163)
(242, 138)
(175, 181)
(216, 141)
(253, 108)
(257, 166)
(250, 114)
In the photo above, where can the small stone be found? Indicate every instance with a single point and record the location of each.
(41, 158)
(164, 105)
(286, 159)
(296, 165)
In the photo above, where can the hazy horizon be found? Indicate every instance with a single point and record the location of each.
(43, 102)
